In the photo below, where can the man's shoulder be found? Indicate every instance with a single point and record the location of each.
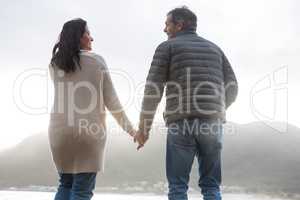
(211, 44)
(179, 41)
(163, 47)
(165, 43)
(194, 38)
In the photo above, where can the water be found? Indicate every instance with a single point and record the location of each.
(21, 195)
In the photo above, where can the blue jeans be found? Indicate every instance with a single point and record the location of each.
(187, 139)
(76, 186)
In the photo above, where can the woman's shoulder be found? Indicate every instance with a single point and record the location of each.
(94, 56)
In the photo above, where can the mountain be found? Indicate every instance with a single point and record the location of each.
(255, 157)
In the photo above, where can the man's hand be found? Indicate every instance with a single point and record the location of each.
(141, 138)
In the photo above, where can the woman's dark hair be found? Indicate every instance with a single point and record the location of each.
(185, 16)
(65, 53)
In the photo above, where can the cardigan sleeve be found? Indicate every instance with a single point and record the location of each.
(111, 100)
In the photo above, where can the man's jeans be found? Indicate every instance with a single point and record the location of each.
(189, 138)
(76, 186)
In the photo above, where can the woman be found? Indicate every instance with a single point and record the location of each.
(83, 89)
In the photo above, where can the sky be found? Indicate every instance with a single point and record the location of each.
(260, 39)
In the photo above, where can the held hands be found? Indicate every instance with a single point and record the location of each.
(141, 138)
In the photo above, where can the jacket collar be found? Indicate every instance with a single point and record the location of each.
(186, 32)
(83, 50)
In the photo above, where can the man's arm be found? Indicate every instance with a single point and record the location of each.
(230, 82)
(155, 83)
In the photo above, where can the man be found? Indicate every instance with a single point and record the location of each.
(200, 86)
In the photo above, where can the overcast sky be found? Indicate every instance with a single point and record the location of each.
(260, 38)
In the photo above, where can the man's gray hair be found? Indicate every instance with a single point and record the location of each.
(185, 16)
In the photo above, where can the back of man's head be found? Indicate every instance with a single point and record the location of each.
(185, 16)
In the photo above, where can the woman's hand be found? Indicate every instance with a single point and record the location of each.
(132, 133)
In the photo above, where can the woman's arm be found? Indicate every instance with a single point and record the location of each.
(113, 104)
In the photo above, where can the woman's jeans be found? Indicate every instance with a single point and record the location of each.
(187, 139)
(76, 186)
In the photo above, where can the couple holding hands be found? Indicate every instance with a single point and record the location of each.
(200, 85)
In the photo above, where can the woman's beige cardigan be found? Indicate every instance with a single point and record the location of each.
(77, 133)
